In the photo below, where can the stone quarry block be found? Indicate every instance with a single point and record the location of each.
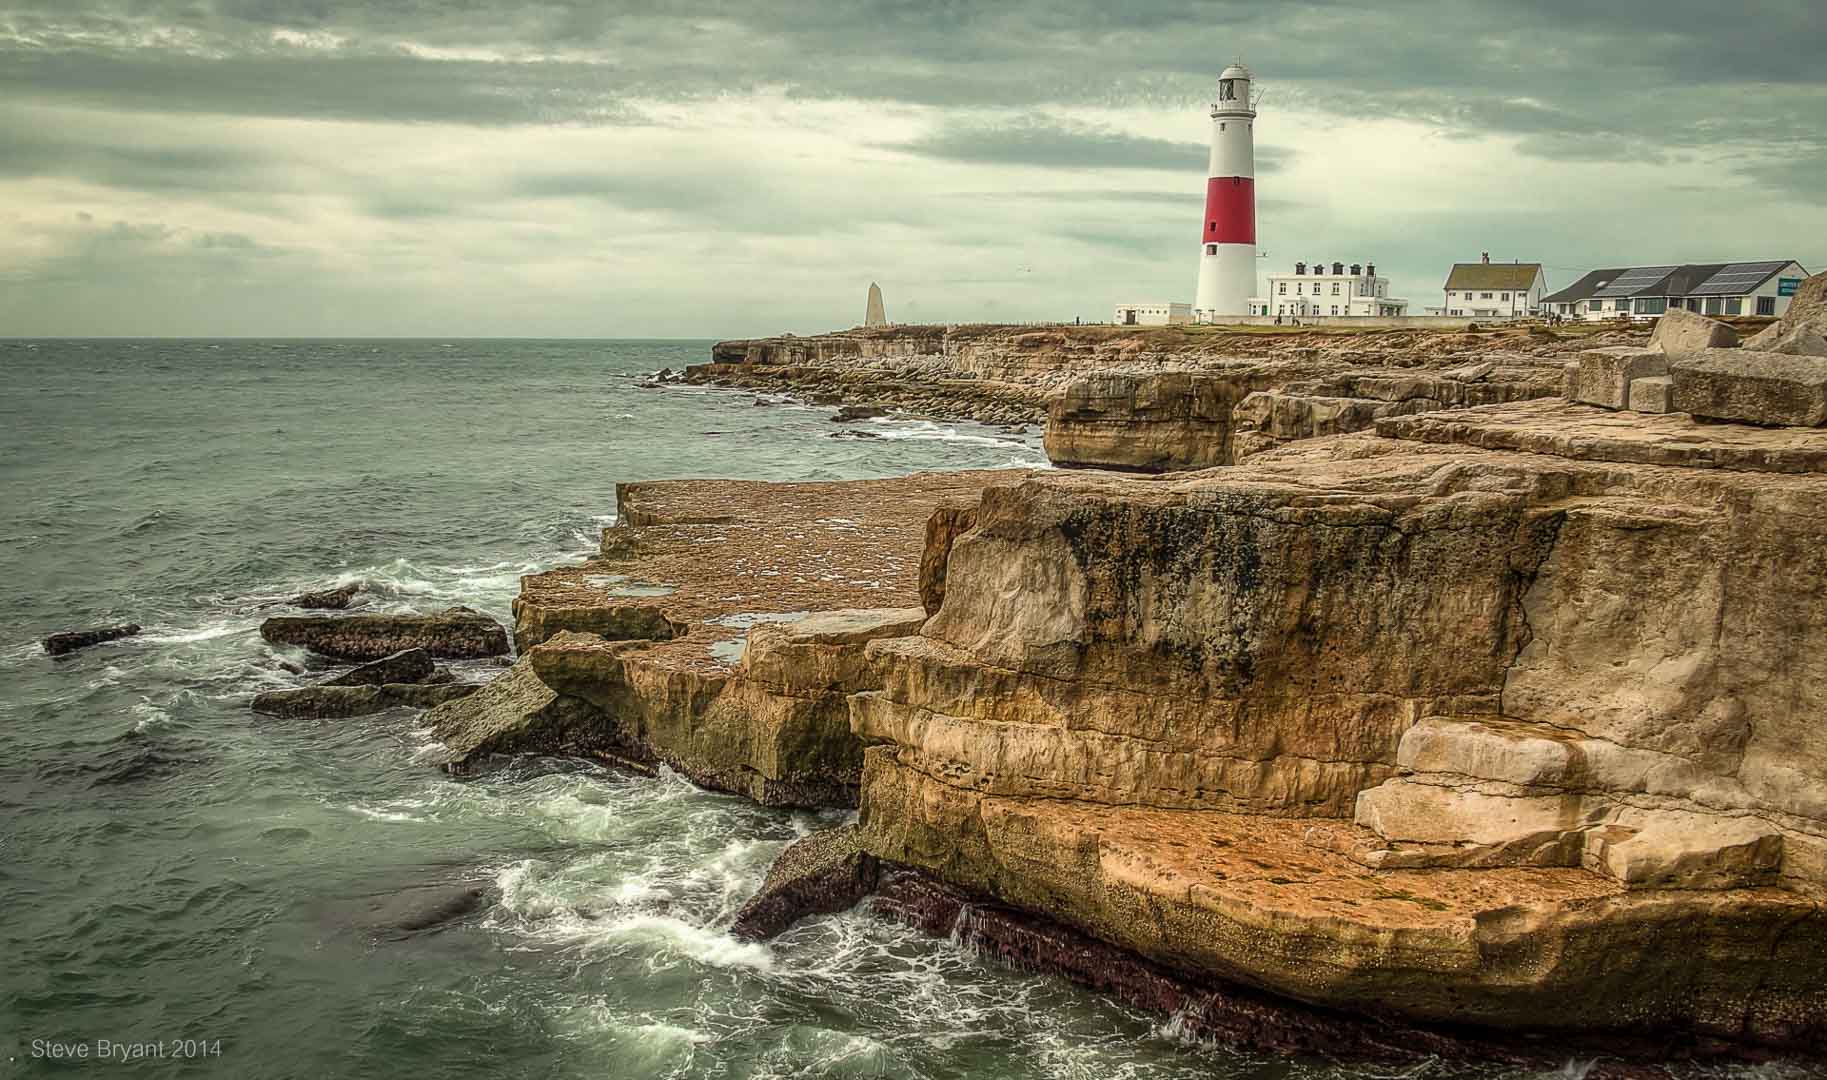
(1603, 376)
(1651, 395)
(1682, 334)
(1752, 386)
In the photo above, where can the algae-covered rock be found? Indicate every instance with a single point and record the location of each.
(820, 874)
(456, 633)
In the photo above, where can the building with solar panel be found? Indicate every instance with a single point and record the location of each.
(1645, 292)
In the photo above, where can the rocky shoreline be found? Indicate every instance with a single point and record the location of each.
(1445, 694)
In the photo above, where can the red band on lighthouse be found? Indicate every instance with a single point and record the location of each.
(1230, 210)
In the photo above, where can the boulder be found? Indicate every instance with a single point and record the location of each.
(820, 874)
(1801, 341)
(71, 640)
(1752, 386)
(1807, 310)
(342, 702)
(1682, 334)
(328, 599)
(1603, 376)
(456, 633)
(858, 412)
(405, 666)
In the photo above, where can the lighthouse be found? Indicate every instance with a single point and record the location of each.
(1227, 235)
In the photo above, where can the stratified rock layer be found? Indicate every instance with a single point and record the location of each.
(718, 634)
(1524, 741)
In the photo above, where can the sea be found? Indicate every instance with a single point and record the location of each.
(188, 889)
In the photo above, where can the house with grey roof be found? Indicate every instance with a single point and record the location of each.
(1488, 290)
(1645, 292)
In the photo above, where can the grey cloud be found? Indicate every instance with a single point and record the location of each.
(1045, 143)
(1040, 142)
(1482, 64)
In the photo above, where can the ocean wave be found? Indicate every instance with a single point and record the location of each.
(895, 430)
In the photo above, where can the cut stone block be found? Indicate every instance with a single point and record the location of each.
(1604, 376)
(1682, 334)
(1752, 386)
(1651, 395)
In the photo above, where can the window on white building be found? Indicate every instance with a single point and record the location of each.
(1484, 296)
(1211, 249)
(1335, 288)
(1505, 296)
(1734, 305)
(1335, 309)
(1766, 305)
(1281, 288)
(1713, 305)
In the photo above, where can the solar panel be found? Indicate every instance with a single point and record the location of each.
(1635, 280)
(1736, 278)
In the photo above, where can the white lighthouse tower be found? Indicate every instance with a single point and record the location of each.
(1227, 238)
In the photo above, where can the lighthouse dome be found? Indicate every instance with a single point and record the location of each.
(1238, 71)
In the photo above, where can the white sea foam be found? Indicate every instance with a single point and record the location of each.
(218, 628)
(148, 716)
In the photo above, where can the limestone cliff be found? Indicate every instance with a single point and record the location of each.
(1515, 740)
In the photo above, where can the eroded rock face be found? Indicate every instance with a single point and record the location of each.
(1465, 732)
(456, 633)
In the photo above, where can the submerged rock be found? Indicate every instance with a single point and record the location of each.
(340, 702)
(72, 640)
(328, 599)
(820, 874)
(456, 633)
(405, 666)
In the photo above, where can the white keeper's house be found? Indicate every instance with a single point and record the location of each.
(1644, 292)
(1488, 290)
(1308, 293)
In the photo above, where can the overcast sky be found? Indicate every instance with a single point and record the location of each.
(697, 168)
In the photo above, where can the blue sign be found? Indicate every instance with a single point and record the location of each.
(1787, 286)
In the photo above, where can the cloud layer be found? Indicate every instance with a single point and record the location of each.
(707, 168)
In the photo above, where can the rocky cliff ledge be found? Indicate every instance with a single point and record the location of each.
(1165, 398)
(717, 633)
(1497, 725)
